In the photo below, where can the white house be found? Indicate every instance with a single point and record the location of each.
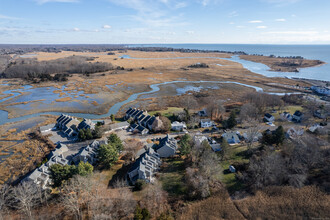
(198, 139)
(314, 128)
(269, 118)
(178, 126)
(206, 123)
(293, 132)
(286, 116)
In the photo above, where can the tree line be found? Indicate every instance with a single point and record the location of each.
(32, 68)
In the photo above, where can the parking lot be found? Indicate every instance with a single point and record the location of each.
(57, 136)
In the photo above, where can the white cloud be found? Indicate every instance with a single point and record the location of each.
(180, 5)
(106, 26)
(293, 32)
(154, 13)
(280, 19)
(261, 27)
(232, 23)
(76, 29)
(209, 2)
(280, 3)
(233, 14)
(190, 32)
(8, 17)
(255, 21)
(239, 26)
(40, 2)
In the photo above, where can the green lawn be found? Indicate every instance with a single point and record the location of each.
(172, 176)
(228, 178)
(168, 112)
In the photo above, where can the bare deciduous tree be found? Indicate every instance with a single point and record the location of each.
(25, 197)
(154, 198)
(252, 132)
(75, 194)
(4, 193)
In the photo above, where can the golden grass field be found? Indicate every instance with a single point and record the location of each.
(144, 73)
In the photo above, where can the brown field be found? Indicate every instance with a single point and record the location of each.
(144, 73)
(271, 203)
(23, 155)
(65, 99)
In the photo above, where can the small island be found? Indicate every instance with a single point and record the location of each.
(283, 64)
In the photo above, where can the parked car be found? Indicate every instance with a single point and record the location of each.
(270, 124)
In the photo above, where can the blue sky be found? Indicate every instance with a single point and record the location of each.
(165, 21)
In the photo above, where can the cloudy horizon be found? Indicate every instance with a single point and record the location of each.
(164, 22)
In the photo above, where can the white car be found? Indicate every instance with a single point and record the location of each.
(270, 124)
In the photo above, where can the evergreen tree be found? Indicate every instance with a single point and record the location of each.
(185, 144)
(231, 122)
(88, 134)
(225, 149)
(97, 132)
(279, 135)
(115, 141)
(60, 173)
(138, 213)
(84, 169)
(107, 155)
(82, 135)
(112, 117)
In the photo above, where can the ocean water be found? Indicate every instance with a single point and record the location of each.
(318, 52)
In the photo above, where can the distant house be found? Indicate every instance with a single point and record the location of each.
(294, 133)
(320, 114)
(86, 124)
(202, 113)
(269, 118)
(214, 145)
(314, 128)
(198, 139)
(118, 126)
(167, 146)
(145, 167)
(88, 153)
(321, 90)
(206, 123)
(178, 126)
(134, 114)
(231, 137)
(256, 138)
(135, 128)
(286, 116)
(59, 150)
(297, 116)
(68, 125)
(232, 169)
(145, 120)
(71, 126)
(47, 128)
(41, 175)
